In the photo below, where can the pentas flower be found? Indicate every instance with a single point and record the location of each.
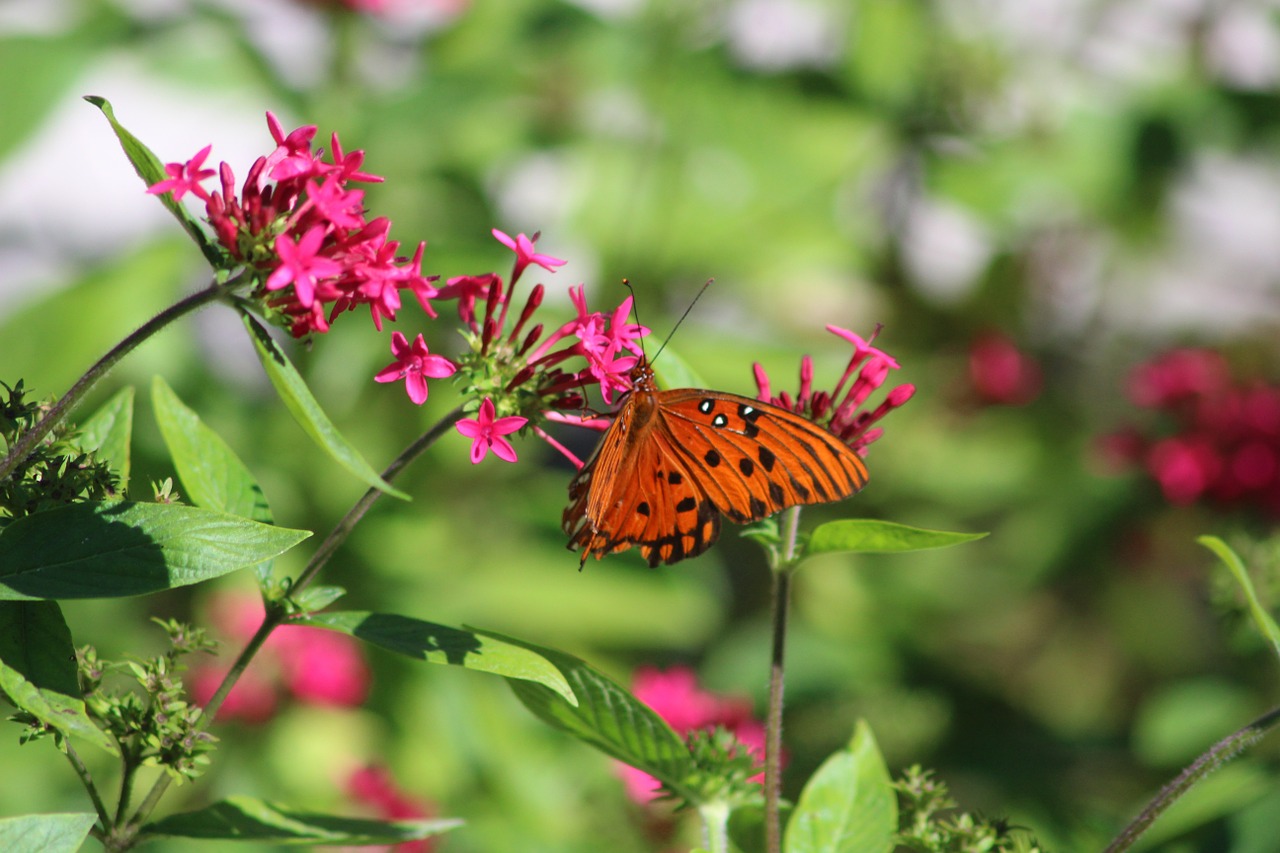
(840, 410)
(486, 433)
(518, 370)
(1217, 439)
(676, 697)
(415, 365)
(300, 230)
(1002, 374)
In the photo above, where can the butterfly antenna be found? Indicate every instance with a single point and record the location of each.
(692, 303)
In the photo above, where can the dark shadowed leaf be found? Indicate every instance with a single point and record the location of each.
(121, 548)
(248, 819)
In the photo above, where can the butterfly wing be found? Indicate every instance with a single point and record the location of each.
(675, 460)
(639, 493)
(755, 459)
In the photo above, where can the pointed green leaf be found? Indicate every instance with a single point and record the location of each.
(108, 433)
(318, 597)
(38, 669)
(1261, 618)
(848, 805)
(212, 475)
(441, 644)
(121, 548)
(608, 717)
(868, 536)
(249, 819)
(45, 833)
(306, 411)
(151, 170)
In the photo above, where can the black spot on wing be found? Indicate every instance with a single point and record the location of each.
(757, 507)
(746, 466)
(776, 494)
(643, 508)
(686, 505)
(675, 478)
(712, 458)
(766, 457)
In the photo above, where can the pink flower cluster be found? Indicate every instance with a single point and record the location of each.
(840, 410)
(676, 697)
(1219, 439)
(311, 665)
(374, 787)
(300, 225)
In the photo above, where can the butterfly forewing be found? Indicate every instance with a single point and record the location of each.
(673, 461)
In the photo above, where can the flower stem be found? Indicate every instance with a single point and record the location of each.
(277, 613)
(781, 602)
(1217, 755)
(22, 449)
(715, 826)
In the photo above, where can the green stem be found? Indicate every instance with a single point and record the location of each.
(87, 780)
(781, 602)
(277, 613)
(22, 449)
(715, 825)
(1220, 753)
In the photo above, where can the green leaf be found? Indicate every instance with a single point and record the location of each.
(45, 833)
(212, 475)
(108, 433)
(306, 411)
(442, 644)
(151, 170)
(848, 805)
(38, 669)
(318, 597)
(248, 819)
(868, 536)
(1261, 618)
(120, 548)
(609, 718)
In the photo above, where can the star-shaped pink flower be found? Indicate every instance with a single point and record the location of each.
(525, 254)
(414, 364)
(486, 433)
(301, 266)
(185, 177)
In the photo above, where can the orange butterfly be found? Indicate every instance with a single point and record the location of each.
(673, 461)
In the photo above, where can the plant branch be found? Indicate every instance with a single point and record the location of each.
(278, 613)
(22, 449)
(86, 779)
(1220, 753)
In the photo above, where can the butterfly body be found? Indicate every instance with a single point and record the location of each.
(673, 462)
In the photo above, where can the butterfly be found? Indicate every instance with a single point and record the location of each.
(673, 462)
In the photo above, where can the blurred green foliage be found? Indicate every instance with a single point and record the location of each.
(943, 169)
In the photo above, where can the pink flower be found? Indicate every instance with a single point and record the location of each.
(675, 696)
(301, 266)
(1001, 373)
(486, 433)
(525, 254)
(840, 410)
(312, 665)
(414, 364)
(374, 787)
(185, 177)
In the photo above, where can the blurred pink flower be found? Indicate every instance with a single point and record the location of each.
(675, 696)
(373, 786)
(312, 665)
(1001, 373)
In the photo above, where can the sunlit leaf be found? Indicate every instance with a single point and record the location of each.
(442, 644)
(45, 833)
(108, 432)
(297, 398)
(848, 805)
(1261, 618)
(151, 170)
(868, 536)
